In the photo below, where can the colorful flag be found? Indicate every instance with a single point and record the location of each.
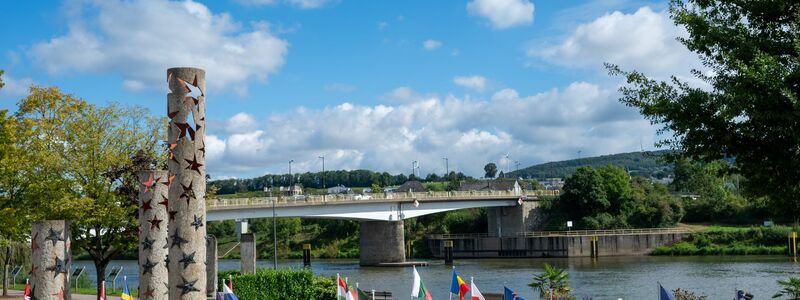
(362, 295)
(458, 286)
(227, 293)
(341, 290)
(27, 295)
(126, 293)
(351, 293)
(508, 294)
(230, 282)
(476, 294)
(663, 294)
(418, 289)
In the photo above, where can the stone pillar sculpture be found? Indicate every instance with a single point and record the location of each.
(51, 258)
(153, 218)
(247, 253)
(211, 265)
(187, 214)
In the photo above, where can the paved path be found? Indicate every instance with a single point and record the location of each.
(18, 295)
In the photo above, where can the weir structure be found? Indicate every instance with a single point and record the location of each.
(51, 260)
(186, 105)
(153, 218)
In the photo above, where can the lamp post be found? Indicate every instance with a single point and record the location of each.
(274, 237)
(507, 167)
(324, 191)
(291, 178)
(446, 166)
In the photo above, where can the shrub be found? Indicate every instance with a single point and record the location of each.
(280, 284)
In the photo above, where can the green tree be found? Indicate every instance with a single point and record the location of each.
(617, 184)
(92, 155)
(490, 170)
(584, 194)
(748, 106)
(790, 289)
(376, 188)
(552, 280)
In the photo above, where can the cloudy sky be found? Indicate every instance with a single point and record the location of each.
(367, 84)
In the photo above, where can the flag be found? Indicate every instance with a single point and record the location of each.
(664, 294)
(508, 294)
(126, 293)
(341, 290)
(227, 293)
(362, 295)
(351, 293)
(476, 294)
(102, 290)
(458, 286)
(27, 295)
(418, 289)
(230, 282)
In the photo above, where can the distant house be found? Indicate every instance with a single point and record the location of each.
(288, 190)
(492, 185)
(411, 186)
(552, 183)
(339, 189)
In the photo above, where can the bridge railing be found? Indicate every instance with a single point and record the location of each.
(565, 233)
(324, 199)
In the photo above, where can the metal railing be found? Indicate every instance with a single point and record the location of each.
(301, 200)
(566, 233)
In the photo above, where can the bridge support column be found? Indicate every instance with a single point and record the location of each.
(382, 242)
(508, 221)
(212, 266)
(247, 253)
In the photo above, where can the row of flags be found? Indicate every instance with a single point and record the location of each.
(227, 291)
(345, 291)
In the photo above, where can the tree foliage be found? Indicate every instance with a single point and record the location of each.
(552, 280)
(490, 170)
(748, 104)
(790, 289)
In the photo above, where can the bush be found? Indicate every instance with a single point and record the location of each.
(280, 284)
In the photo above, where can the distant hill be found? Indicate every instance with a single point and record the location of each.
(648, 163)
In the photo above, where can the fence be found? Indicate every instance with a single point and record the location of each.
(565, 233)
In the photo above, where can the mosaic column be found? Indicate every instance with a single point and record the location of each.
(153, 218)
(51, 257)
(187, 214)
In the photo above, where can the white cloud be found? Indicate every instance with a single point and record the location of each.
(644, 40)
(382, 25)
(241, 122)
(308, 4)
(477, 83)
(503, 13)
(141, 39)
(547, 126)
(14, 88)
(431, 44)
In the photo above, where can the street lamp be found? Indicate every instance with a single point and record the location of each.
(507, 167)
(323, 176)
(291, 178)
(446, 166)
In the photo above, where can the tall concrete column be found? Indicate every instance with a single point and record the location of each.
(510, 220)
(247, 253)
(52, 259)
(187, 226)
(153, 219)
(211, 265)
(381, 242)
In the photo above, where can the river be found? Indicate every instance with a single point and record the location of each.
(603, 278)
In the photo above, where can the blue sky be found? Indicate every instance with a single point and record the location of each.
(368, 84)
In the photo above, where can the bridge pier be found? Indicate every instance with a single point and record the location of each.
(509, 220)
(382, 242)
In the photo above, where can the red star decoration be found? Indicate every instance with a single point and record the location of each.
(169, 181)
(60, 294)
(185, 128)
(164, 202)
(171, 153)
(34, 243)
(188, 192)
(202, 149)
(189, 90)
(147, 184)
(172, 214)
(148, 294)
(155, 223)
(146, 205)
(193, 164)
(173, 114)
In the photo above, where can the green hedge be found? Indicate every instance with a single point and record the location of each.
(732, 241)
(281, 284)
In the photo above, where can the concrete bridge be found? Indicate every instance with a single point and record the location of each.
(382, 214)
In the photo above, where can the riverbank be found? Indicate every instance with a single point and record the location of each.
(726, 240)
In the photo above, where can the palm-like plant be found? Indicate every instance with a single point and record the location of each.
(553, 280)
(791, 289)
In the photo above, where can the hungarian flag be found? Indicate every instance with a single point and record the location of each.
(341, 290)
(28, 291)
(418, 289)
(458, 286)
(476, 294)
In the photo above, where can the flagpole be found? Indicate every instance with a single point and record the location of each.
(471, 284)
(373, 295)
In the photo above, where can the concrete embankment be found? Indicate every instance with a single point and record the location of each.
(556, 244)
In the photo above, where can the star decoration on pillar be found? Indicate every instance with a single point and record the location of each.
(149, 183)
(166, 261)
(187, 286)
(172, 114)
(147, 267)
(188, 192)
(172, 214)
(177, 240)
(193, 164)
(164, 202)
(155, 223)
(57, 268)
(148, 244)
(188, 259)
(148, 293)
(35, 243)
(54, 235)
(166, 243)
(185, 128)
(198, 222)
(146, 205)
(166, 292)
(202, 149)
(172, 156)
(192, 91)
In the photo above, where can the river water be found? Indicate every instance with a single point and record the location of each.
(603, 278)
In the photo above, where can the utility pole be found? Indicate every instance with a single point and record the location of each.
(507, 166)
(291, 178)
(323, 174)
(414, 168)
(516, 164)
(446, 167)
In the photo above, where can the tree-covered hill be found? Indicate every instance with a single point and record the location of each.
(648, 163)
